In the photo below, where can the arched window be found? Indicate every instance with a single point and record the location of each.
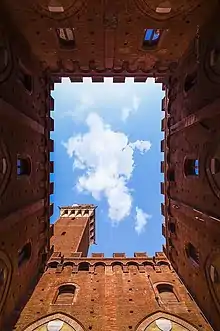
(66, 37)
(54, 322)
(23, 166)
(65, 295)
(163, 321)
(151, 37)
(83, 266)
(166, 293)
(53, 264)
(192, 253)
(191, 167)
(24, 254)
(63, 233)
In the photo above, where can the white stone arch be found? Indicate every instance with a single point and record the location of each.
(161, 315)
(57, 316)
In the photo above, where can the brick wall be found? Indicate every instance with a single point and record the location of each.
(192, 200)
(24, 134)
(71, 235)
(115, 294)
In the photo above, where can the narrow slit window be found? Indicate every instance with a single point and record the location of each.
(66, 37)
(24, 254)
(196, 167)
(191, 167)
(192, 253)
(190, 81)
(23, 166)
(215, 166)
(171, 175)
(151, 37)
(172, 227)
(25, 78)
(214, 274)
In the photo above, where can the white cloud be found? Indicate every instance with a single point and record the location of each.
(141, 220)
(97, 99)
(84, 103)
(136, 102)
(107, 158)
(127, 111)
(141, 145)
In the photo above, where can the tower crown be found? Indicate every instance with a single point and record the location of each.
(77, 211)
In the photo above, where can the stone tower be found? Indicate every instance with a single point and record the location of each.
(77, 292)
(74, 231)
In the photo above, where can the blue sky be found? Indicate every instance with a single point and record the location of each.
(107, 152)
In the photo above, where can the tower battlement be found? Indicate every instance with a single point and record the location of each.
(74, 231)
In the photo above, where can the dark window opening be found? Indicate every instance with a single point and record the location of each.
(4, 57)
(151, 37)
(66, 37)
(53, 265)
(214, 58)
(25, 78)
(23, 166)
(215, 166)
(214, 274)
(68, 264)
(65, 295)
(84, 266)
(166, 293)
(2, 276)
(172, 227)
(170, 242)
(171, 175)
(192, 253)
(63, 233)
(190, 81)
(191, 167)
(24, 254)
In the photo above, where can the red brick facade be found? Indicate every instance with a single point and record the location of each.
(110, 293)
(192, 170)
(41, 41)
